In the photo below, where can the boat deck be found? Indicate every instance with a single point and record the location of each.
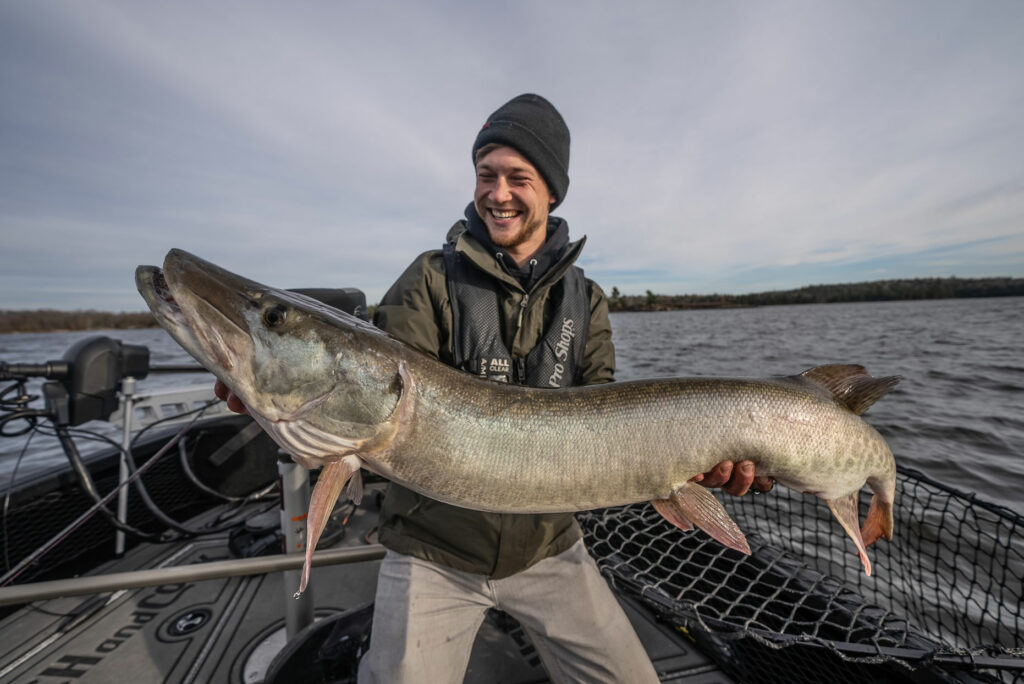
(231, 629)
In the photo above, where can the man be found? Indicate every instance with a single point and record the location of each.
(503, 300)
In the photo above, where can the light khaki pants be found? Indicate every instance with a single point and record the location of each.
(426, 617)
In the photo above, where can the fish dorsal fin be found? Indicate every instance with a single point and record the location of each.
(850, 385)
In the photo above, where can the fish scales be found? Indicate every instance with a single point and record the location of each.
(336, 392)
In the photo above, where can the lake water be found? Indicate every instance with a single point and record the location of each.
(958, 414)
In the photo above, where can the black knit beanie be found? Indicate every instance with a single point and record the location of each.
(533, 126)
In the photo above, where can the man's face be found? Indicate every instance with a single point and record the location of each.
(512, 199)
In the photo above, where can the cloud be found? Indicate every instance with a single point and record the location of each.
(719, 146)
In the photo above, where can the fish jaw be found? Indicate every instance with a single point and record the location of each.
(218, 344)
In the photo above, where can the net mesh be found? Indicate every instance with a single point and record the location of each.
(944, 597)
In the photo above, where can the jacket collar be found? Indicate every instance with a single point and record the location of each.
(546, 266)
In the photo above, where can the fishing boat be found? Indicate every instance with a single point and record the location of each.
(173, 555)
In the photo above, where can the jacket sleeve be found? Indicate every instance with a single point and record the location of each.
(414, 310)
(599, 354)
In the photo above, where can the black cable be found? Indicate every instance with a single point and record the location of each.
(203, 487)
(48, 546)
(182, 529)
(7, 498)
(85, 480)
(18, 409)
(171, 523)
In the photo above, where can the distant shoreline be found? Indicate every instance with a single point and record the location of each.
(905, 289)
(52, 320)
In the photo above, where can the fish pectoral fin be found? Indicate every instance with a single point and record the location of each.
(328, 487)
(878, 523)
(846, 512)
(692, 503)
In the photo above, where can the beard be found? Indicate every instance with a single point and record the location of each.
(507, 240)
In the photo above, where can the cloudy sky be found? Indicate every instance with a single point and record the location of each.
(717, 146)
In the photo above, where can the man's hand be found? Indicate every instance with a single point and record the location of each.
(735, 480)
(233, 402)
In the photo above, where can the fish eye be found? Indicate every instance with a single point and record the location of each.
(274, 316)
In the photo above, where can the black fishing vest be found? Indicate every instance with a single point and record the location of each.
(477, 345)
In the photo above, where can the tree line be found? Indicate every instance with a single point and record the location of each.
(51, 320)
(872, 291)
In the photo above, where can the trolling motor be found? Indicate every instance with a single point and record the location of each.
(81, 387)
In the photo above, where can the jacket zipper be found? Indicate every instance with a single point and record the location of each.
(526, 298)
(522, 309)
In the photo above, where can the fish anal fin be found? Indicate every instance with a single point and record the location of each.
(878, 523)
(845, 511)
(692, 503)
(328, 488)
(850, 385)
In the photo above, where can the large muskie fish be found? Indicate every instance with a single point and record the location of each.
(334, 391)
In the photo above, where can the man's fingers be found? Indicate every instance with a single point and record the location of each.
(742, 478)
(233, 402)
(736, 479)
(221, 390)
(717, 476)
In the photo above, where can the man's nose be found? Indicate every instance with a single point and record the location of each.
(500, 192)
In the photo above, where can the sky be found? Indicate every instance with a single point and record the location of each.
(717, 147)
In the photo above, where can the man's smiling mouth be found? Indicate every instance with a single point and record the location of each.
(504, 213)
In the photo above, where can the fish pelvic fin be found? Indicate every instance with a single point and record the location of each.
(693, 504)
(328, 487)
(845, 511)
(670, 512)
(879, 521)
(850, 385)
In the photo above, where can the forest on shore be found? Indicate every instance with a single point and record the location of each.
(52, 320)
(872, 291)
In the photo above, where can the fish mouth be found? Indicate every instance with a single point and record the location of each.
(193, 322)
(157, 293)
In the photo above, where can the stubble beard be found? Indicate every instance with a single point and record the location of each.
(522, 236)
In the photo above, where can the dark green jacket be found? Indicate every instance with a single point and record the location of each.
(417, 311)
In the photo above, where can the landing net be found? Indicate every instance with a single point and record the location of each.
(943, 601)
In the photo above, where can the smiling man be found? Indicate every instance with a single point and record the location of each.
(504, 300)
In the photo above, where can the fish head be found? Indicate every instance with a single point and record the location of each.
(280, 352)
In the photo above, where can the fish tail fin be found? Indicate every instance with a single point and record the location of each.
(328, 487)
(695, 504)
(845, 511)
(850, 385)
